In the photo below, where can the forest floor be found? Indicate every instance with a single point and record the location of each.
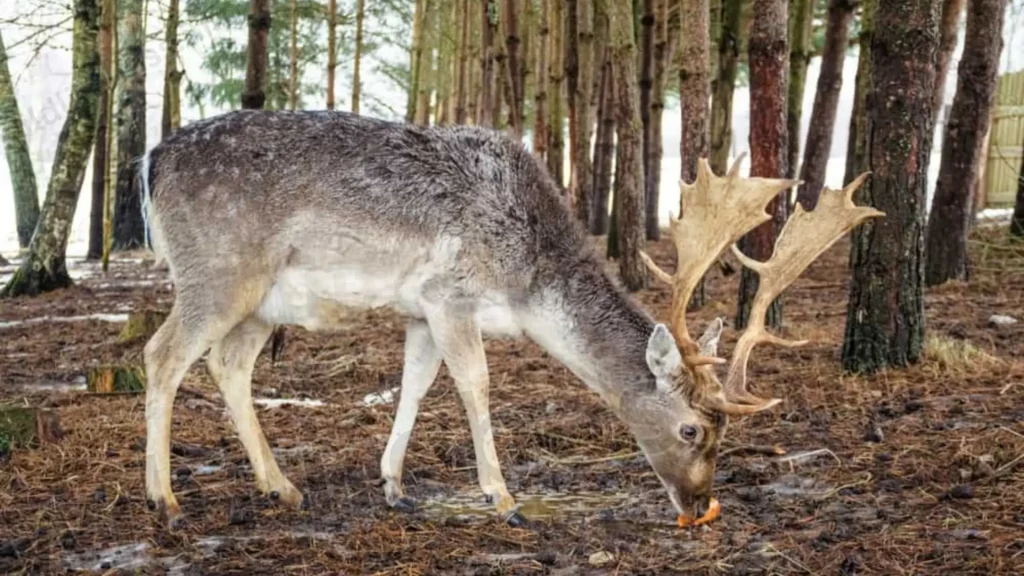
(915, 471)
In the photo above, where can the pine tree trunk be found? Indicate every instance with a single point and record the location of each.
(647, 33)
(769, 59)
(600, 57)
(826, 99)
(293, 57)
(801, 18)
(629, 167)
(694, 93)
(885, 316)
(332, 56)
(540, 92)
(129, 232)
(856, 144)
(101, 152)
(460, 89)
(426, 75)
(580, 73)
(1017, 220)
(44, 267)
(415, 59)
(488, 30)
(948, 28)
(358, 58)
(19, 162)
(171, 115)
(604, 156)
(256, 60)
(715, 36)
(513, 70)
(556, 81)
(664, 48)
(725, 84)
(953, 205)
(502, 91)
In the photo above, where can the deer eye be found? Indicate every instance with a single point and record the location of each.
(689, 433)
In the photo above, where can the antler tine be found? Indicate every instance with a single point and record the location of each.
(716, 212)
(805, 236)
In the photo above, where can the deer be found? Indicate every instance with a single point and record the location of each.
(270, 218)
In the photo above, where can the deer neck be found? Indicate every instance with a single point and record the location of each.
(592, 328)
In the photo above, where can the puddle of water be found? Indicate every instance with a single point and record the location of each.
(278, 402)
(43, 319)
(380, 398)
(530, 505)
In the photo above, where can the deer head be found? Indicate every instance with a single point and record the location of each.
(718, 211)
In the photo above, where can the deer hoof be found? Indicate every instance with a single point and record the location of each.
(405, 504)
(515, 519)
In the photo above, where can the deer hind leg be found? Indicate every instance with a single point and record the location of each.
(422, 362)
(463, 351)
(176, 345)
(231, 363)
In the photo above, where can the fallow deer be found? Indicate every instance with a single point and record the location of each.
(274, 218)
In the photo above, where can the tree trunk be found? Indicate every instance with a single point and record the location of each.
(826, 98)
(426, 75)
(885, 316)
(502, 91)
(948, 28)
(540, 92)
(1017, 220)
(856, 144)
(694, 93)
(715, 38)
(664, 49)
(488, 30)
(768, 57)
(629, 167)
(19, 162)
(953, 206)
(580, 73)
(293, 57)
(604, 155)
(171, 116)
(721, 104)
(460, 89)
(801, 19)
(513, 69)
(415, 59)
(358, 58)
(255, 95)
(101, 151)
(556, 78)
(129, 231)
(332, 55)
(647, 33)
(44, 268)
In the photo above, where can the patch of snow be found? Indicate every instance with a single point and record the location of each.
(44, 319)
(1001, 320)
(278, 402)
(379, 398)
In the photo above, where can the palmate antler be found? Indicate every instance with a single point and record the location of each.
(718, 211)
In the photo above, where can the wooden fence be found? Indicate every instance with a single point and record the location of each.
(1005, 143)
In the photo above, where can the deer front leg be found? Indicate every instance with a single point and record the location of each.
(463, 351)
(422, 361)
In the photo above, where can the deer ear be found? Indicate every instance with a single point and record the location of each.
(708, 343)
(663, 356)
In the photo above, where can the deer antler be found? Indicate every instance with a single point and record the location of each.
(718, 211)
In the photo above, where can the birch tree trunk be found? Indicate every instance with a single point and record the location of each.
(885, 315)
(256, 60)
(44, 267)
(629, 167)
(129, 230)
(952, 207)
(948, 28)
(826, 99)
(19, 162)
(769, 59)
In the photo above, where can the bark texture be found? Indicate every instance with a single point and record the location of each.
(556, 84)
(19, 162)
(769, 60)
(603, 158)
(953, 203)
(171, 113)
(647, 33)
(488, 30)
(580, 80)
(255, 94)
(629, 167)
(332, 55)
(948, 25)
(513, 68)
(358, 59)
(694, 87)
(129, 232)
(856, 144)
(1017, 220)
(826, 99)
(664, 49)
(44, 267)
(293, 56)
(101, 152)
(801, 18)
(885, 315)
(725, 85)
(540, 91)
